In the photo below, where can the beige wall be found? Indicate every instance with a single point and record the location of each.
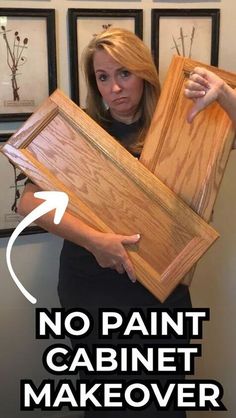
(35, 258)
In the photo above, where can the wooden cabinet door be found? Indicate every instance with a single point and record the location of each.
(61, 148)
(189, 158)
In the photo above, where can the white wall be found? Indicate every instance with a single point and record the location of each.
(35, 258)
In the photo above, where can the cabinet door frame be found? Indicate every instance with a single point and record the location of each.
(61, 148)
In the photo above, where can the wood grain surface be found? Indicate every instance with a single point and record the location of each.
(62, 148)
(189, 158)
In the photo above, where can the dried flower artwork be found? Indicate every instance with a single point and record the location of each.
(181, 46)
(18, 177)
(15, 58)
(104, 27)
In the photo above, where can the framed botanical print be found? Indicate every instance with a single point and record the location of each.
(12, 184)
(28, 60)
(192, 33)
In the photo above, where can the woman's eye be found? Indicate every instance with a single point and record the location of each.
(102, 77)
(125, 73)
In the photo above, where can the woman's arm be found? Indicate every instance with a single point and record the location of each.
(204, 87)
(108, 249)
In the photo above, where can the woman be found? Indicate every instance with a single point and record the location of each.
(123, 89)
(204, 87)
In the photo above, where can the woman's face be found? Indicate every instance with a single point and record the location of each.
(120, 89)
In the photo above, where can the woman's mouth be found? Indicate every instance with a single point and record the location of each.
(120, 100)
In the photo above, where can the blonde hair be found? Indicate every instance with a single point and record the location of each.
(130, 51)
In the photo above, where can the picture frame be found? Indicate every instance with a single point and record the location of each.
(180, 32)
(27, 38)
(84, 23)
(10, 193)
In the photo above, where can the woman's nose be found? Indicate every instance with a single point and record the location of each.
(116, 88)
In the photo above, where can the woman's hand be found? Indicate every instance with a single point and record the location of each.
(203, 87)
(109, 251)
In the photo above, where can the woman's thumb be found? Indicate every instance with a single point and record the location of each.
(192, 113)
(131, 239)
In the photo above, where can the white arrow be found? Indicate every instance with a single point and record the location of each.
(53, 200)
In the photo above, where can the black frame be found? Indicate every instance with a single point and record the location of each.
(157, 14)
(73, 15)
(49, 15)
(6, 232)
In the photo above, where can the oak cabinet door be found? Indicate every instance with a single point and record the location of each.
(61, 148)
(189, 158)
